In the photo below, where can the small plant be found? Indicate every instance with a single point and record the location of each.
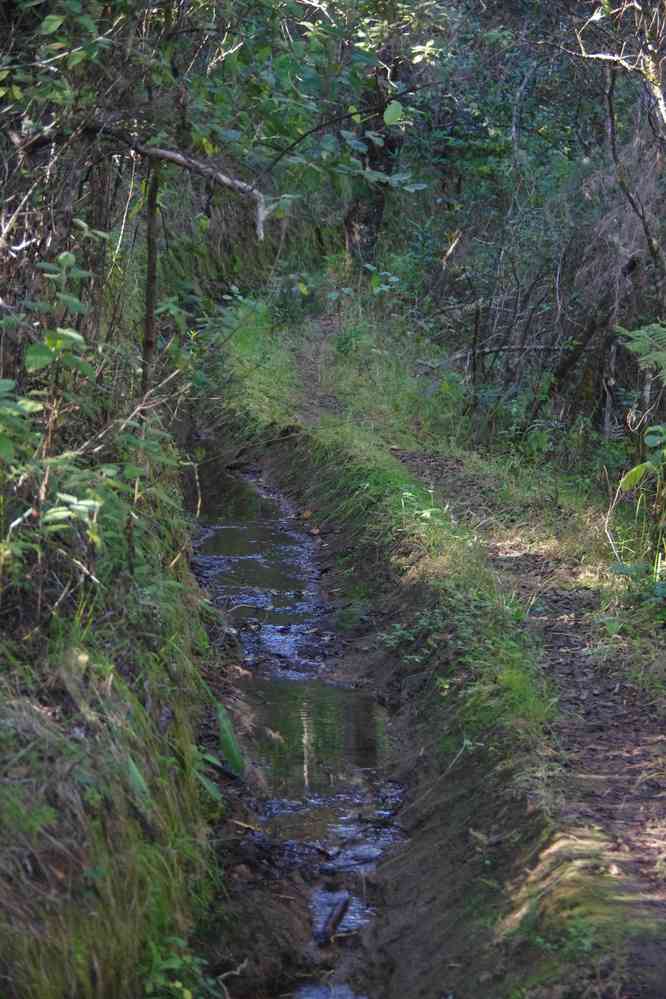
(424, 626)
(647, 482)
(578, 940)
(176, 973)
(351, 338)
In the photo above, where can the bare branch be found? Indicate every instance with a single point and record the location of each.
(196, 166)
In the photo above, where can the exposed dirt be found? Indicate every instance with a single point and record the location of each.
(606, 770)
(611, 741)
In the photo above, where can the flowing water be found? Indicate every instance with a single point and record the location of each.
(321, 746)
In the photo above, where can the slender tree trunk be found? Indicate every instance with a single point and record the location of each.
(609, 386)
(569, 360)
(151, 279)
(363, 220)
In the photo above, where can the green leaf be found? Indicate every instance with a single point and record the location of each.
(57, 514)
(133, 471)
(38, 356)
(393, 113)
(6, 386)
(73, 338)
(7, 450)
(655, 436)
(353, 142)
(9, 406)
(213, 789)
(137, 780)
(29, 406)
(635, 475)
(228, 742)
(77, 364)
(73, 303)
(50, 24)
(88, 23)
(66, 260)
(80, 55)
(375, 138)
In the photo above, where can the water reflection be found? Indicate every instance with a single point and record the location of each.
(258, 563)
(316, 739)
(326, 992)
(226, 497)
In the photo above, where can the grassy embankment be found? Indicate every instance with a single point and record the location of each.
(104, 805)
(522, 904)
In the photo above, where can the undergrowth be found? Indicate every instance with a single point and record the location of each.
(105, 801)
(103, 817)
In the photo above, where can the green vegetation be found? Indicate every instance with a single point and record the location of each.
(419, 248)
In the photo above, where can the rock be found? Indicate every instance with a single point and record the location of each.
(242, 872)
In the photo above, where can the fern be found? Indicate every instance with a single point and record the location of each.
(649, 344)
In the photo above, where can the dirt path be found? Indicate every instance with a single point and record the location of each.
(603, 780)
(608, 741)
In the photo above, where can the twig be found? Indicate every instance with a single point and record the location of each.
(231, 974)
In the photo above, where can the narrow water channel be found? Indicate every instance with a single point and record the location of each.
(321, 746)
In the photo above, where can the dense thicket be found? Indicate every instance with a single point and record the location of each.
(492, 170)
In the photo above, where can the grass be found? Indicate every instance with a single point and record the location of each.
(545, 494)
(103, 820)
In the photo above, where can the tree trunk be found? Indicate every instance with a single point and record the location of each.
(151, 279)
(364, 217)
(363, 222)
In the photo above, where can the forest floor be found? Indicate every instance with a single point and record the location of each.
(601, 774)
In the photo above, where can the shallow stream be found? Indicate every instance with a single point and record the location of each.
(320, 745)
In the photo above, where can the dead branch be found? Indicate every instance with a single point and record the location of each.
(196, 166)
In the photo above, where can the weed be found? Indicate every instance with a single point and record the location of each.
(174, 972)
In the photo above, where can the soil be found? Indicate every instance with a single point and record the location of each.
(605, 774)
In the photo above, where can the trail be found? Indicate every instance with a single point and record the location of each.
(601, 775)
(607, 765)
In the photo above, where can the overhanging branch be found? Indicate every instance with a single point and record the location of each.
(196, 166)
(96, 131)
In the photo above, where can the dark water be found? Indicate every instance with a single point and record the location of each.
(321, 747)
